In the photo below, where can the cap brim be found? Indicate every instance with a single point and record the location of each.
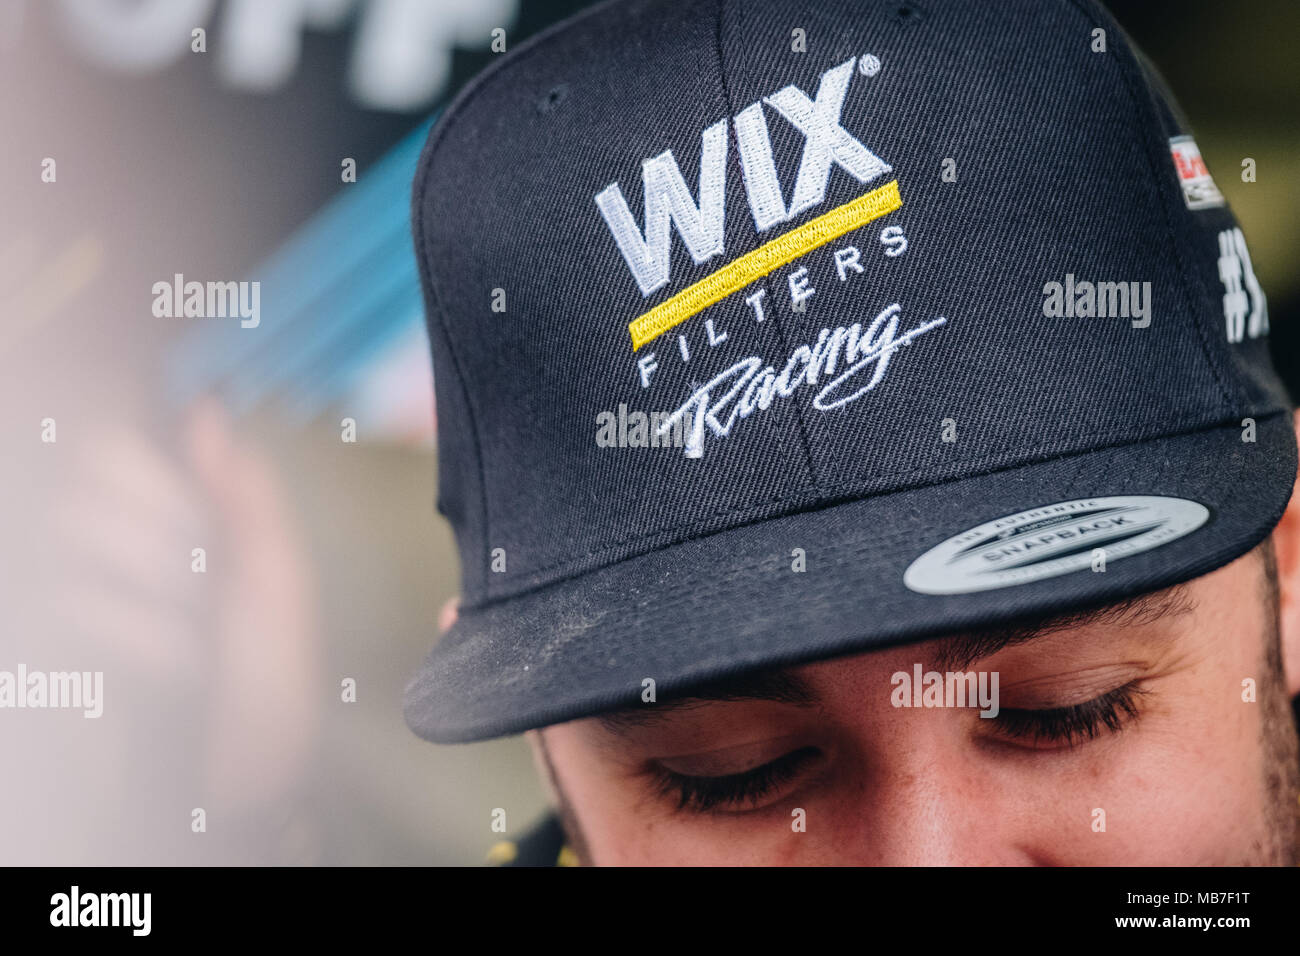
(720, 605)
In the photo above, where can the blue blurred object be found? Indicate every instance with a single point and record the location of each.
(337, 298)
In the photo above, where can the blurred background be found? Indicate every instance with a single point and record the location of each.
(324, 558)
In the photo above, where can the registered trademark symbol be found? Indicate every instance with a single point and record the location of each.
(868, 65)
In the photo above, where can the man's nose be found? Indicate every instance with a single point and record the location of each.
(934, 808)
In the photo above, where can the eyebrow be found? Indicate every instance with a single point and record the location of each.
(956, 653)
(781, 685)
(963, 650)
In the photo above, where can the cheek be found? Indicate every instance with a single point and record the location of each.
(1184, 785)
(1178, 789)
(706, 842)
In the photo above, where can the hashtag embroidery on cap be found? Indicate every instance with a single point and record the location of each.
(1234, 268)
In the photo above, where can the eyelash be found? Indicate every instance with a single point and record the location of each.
(1068, 725)
(1074, 725)
(702, 794)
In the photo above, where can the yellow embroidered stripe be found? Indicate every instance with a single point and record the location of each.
(754, 265)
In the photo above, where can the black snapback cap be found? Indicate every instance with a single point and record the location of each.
(769, 331)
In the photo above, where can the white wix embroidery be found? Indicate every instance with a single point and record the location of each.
(748, 385)
(668, 201)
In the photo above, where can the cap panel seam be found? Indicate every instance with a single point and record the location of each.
(796, 407)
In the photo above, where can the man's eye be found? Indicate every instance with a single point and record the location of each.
(1073, 725)
(737, 791)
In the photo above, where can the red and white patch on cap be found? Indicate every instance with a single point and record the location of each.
(1199, 191)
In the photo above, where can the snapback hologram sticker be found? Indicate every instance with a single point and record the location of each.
(1051, 540)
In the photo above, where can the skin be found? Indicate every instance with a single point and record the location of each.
(1195, 776)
